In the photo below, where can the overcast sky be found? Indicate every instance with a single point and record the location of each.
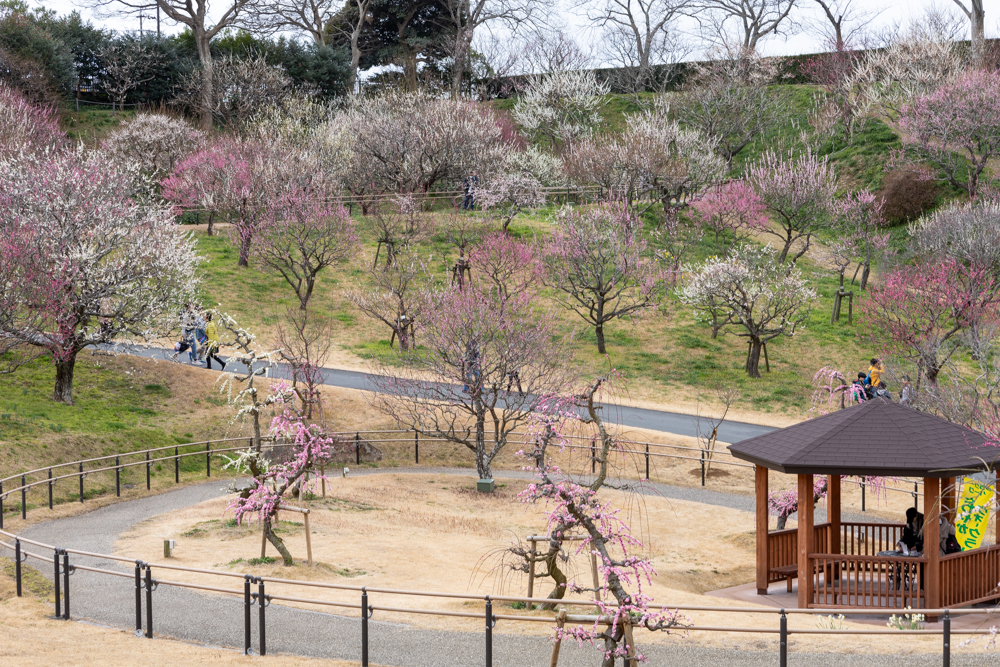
(800, 41)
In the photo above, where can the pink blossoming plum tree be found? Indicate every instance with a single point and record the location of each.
(957, 127)
(620, 598)
(476, 347)
(798, 192)
(301, 235)
(600, 266)
(733, 211)
(920, 311)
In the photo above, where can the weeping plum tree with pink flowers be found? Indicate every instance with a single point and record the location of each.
(620, 598)
(26, 127)
(306, 445)
(601, 267)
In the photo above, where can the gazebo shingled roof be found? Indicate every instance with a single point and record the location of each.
(878, 437)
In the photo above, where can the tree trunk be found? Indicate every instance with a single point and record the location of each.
(211, 223)
(483, 467)
(64, 379)
(244, 259)
(753, 359)
(304, 298)
(459, 57)
(599, 332)
(286, 555)
(864, 276)
(552, 563)
(352, 78)
(782, 519)
(205, 57)
(978, 18)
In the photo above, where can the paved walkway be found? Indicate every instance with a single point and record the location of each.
(217, 620)
(657, 420)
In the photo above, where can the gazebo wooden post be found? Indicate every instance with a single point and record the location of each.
(932, 543)
(760, 492)
(833, 511)
(833, 517)
(805, 539)
(949, 497)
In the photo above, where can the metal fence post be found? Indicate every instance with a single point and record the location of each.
(1, 505)
(138, 598)
(118, 481)
(262, 605)
(365, 615)
(177, 466)
(491, 621)
(147, 470)
(56, 584)
(247, 650)
(357, 448)
(208, 459)
(703, 467)
(946, 631)
(149, 602)
(50, 488)
(915, 495)
(593, 458)
(81, 482)
(862, 494)
(24, 499)
(66, 572)
(647, 461)
(783, 641)
(17, 564)
(416, 447)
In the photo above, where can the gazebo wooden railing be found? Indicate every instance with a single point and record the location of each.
(970, 577)
(877, 582)
(856, 538)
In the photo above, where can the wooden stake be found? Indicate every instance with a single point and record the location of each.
(309, 548)
(597, 579)
(560, 623)
(531, 572)
(630, 644)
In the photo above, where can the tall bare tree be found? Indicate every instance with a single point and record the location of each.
(638, 35)
(842, 19)
(464, 17)
(309, 16)
(197, 16)
(756, 19)
(350, 25)
(977, 20)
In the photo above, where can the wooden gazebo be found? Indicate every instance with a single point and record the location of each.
(837, 563)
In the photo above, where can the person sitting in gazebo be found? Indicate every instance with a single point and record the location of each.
(913, 533)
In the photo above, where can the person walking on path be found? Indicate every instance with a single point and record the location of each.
(470, 184)
(212, 346)
(189, 322)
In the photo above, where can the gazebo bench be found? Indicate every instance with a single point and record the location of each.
(789, 572)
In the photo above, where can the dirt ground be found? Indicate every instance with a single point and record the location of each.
(435, 533)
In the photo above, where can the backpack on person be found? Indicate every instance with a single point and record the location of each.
(951, 545)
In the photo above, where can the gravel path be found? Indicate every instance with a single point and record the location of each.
(217, 620)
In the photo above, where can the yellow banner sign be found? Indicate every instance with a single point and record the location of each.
(973, 514)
